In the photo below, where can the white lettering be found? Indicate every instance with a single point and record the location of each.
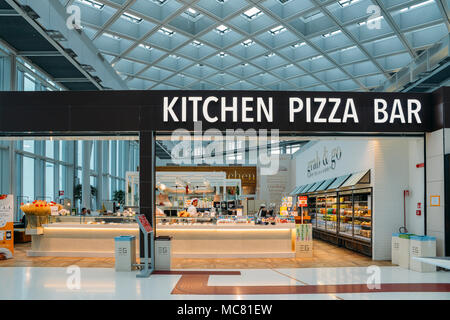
(205, 109)
(168, 108)
(337, 102)
(415, 111)
(350, 106)
(397, 112)
(195, 101)
(246, 109)
(292, 109)
(261, 106)
(226, 109)
(317, 118)
(378, 110)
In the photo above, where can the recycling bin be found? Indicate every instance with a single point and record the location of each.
(422, 246)
(125, 253)
(395, 250)
(403, 250)
(163, 251)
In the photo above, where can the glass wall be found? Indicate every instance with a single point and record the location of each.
(48, 170)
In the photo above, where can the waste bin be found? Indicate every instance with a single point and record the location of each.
(125, 253)
(403, 250)
(163, 252)
(395, 250)
(422, 246)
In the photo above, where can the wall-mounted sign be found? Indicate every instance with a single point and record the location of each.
(6, 226)
(435, 201)
(324, 162)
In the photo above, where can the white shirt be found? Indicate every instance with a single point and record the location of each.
(192, 210)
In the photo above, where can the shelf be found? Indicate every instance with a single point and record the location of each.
(362, 238)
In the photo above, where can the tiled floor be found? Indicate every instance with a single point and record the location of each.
(306, 283)
(324, 255)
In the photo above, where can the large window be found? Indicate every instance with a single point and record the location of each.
(28, 179)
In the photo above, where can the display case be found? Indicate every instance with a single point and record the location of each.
(312, 209)
(346, 213)
(362, 215)
(343, 217)
(326, 207)
(88, 220)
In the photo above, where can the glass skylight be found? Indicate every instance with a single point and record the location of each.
(92, 3)
(252, 13)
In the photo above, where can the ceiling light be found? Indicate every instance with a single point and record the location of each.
(130, 17)
(160, 2)
(326, 35)
(145, 46)
(344, 3)
(196, 43)
(248, 43)
(277, 30)
(252, 13)
(298, 45)
(166, 31)
(222, 28)
(92, 3)
(316, 57)
(222, 54)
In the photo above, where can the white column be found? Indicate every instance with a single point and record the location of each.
(85, 175)
(100, 195)
(435, 187)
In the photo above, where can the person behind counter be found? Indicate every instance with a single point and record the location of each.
(192, 210)
(262, 213)
(83, 211)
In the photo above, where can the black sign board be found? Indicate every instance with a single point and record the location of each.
(135, 111)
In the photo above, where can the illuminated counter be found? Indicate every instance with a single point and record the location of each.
(230, 240)
(189, 241)
(80, 240)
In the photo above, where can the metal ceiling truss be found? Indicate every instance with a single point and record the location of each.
(292, 44)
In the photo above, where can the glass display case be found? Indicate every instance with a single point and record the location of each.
(362, 214)
(355, 214)
(104, 220)
(346, 213)
(312, 210)
(326, 206)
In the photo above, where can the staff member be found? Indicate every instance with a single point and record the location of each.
(262, 213)
(192, 210)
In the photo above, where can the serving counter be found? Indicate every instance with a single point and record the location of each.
(230, 241)
(92, 238)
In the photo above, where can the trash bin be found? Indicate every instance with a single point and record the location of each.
(403, 250)
(125, 253)
(422, 246)
(163, 252)
(395, 250)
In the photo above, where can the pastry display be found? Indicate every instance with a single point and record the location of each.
(39, 208)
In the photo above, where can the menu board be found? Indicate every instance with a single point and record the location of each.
(6, 226)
